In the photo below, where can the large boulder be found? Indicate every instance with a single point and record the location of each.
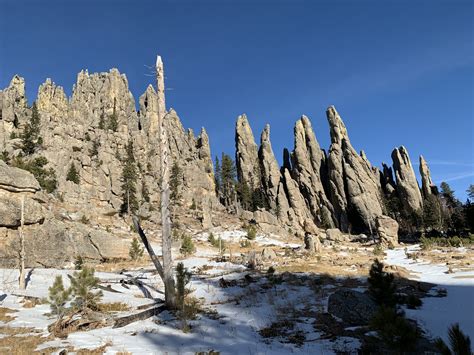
(387, 229)
(10, 211)
(17, 180)
(352, 307)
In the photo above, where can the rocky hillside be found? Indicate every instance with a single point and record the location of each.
(86, 143)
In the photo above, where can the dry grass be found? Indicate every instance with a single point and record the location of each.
(113, 307)
(122, 265)
(16, 342)
(4, 317)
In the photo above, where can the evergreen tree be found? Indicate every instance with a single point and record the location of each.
(258, 199)
(31, 139)
(381, 286)
(217, 176)
(113, 121)
(58, 297)
(72, 174)
(82, 284)
(176, 179)
(102, 121)
(46, 177)
(187, 246)
(245, 195)
(136, 251)
(129, 180)
(460, 343)
(145, 192)
(228, 173)
(432, 218)
(470, 192)
(448, 195)
(183, 276)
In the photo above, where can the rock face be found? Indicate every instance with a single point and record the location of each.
(427, 185)
(91, 131)
(407, 185)
(354, 188)
(387, 229)
(354, 308)
(246, 156)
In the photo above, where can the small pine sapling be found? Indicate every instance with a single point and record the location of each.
(136, 251)
(381, 286)
(82, 285)
(187, 246)
(58, 297)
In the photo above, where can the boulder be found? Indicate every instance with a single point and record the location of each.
(10, 211)
(335, 235)
(387, 229)
(352, 307)
(17, 180)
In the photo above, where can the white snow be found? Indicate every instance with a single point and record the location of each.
(437, 314)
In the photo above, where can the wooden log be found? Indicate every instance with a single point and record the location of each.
(126, 320)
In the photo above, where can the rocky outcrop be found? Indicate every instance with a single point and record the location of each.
(246, 156)
(386, 179)
(407, 185)
(387, 229)
(17, 180)
(427, 185)
(354, 187)
(352, 307)
(52, 102)
(309, 170)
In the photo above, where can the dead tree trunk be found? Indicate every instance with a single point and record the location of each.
(22, 280)
(168, 278)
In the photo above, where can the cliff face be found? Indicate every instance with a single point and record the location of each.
(341, 189)
(91, 131)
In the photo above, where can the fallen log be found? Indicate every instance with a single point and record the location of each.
(126, 320)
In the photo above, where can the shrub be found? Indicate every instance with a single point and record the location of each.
(187, 246)
(395, 330)
(58, 297)
(136, 251)
(183, 276)
(459, 342)
(46, 177)
(72, 174)
(78, 263)
(82, 285)
(193, 205)
(216, 243)
(378, 250)
(5, 157)
(85, 220)
(381, 286)
(245, 243)
(251, 233)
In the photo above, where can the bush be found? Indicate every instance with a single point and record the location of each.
(381, 286)
(135, 252)
(183, 276)
(187, 246)
(46, 177)
(459, 342)
(58, 297)
(251, 233)
(78, 263)
(82, 285)
(378, 250)
(216, 243)
(395, 330)
(73, 174)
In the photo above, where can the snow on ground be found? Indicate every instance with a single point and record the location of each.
(437, 314)
(240, 311)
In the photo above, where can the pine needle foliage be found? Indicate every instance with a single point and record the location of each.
(187, 246)
(82, 285)
(136, 251)
(58, 297)
(176, 180)
(381, 286)
(459, 342)
(129, 181)
(30, 137)
(183, 276)
(73, 174)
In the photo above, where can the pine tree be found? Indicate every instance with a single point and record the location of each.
(31, 139)
(113, 121)
(102, 121)
(228, 173)
(217, 176)
(245, 195)
(448, 195)
(432, 213)
(82, 285)
(460, 343)
(381, 286)
(129, 180)
(176, 179)
(145, 193)
(58, 297)
(136, 251)
(72, 174)
(258, 199)
(187, 246)
(183, 276)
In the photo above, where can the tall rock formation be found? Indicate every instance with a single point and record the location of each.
(353, 186)
(427, 185)
(246, 156)
(309, 170)
(407, 185)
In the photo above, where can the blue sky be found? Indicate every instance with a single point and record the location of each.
(399, 72)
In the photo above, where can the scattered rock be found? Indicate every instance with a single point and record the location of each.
(354, 308)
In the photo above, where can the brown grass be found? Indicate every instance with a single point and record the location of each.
(113, 307)
(110, 266)
(16, 343)
(4, 317)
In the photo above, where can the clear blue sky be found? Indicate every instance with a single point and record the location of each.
(399, 72)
